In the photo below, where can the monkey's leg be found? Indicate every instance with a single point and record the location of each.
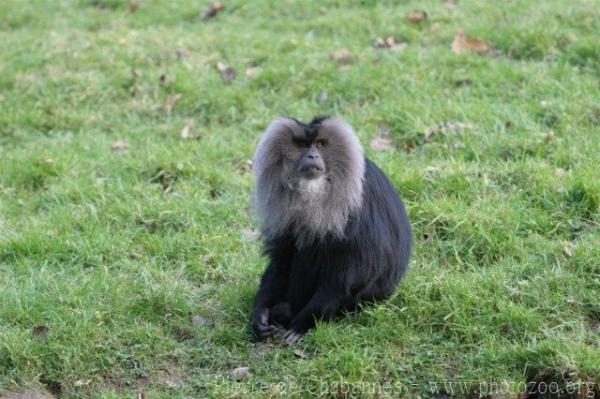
(271, 291)
(323, 305)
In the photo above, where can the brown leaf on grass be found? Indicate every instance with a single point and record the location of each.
(170, 102)
(342, 57)
(41, 332)
(212, 11)
(239, 373)
(228, 73)
(244, 166)
(188, 131)
(417, 16)
(119, 145)
(252, 71)
(300, 353)
(133, 6)
(463, 43)
(569, 248)
(433, 131)
(389, 43)
(164, 179)
(381, 144)
(382, 141)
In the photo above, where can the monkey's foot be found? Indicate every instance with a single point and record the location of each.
(263, 329)
(290, 337)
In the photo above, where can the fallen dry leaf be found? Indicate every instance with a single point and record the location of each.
(41, 332)
(381, 42)
(212, 11)
(245, 166)
(228, 73)
(253, 71)
(133, 6)
(431, 132)
(417, 16)
(164, 179)
(300, 353)
(342, 57)
(463, 43)
(382, 141)
(239, 373)
(119, 145)
(81, 383)
(568, 248)
(389, 43)
(381, 144)
(170, 102)
(188, 132)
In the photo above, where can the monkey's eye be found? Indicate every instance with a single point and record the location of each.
(302, 143)
(320, 143)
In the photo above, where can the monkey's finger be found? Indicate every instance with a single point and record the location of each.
(291, 337)
(267, 330)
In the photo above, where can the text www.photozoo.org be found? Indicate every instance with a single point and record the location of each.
(320, 387)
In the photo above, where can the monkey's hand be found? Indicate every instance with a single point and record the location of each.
(290, 337)
(260, 324)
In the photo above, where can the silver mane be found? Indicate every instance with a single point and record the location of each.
(309, 209)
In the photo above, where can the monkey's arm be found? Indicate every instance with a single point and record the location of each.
(272, 289)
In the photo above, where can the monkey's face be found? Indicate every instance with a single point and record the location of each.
(308, 175)
(323, 151)
(310, 164)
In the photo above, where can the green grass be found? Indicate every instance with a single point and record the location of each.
(106, 255)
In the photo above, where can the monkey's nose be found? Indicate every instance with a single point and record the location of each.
(313, 156)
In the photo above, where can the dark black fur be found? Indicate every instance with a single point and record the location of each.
(332, 275)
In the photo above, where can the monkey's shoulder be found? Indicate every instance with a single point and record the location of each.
(377, 187)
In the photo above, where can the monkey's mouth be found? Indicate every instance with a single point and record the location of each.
(311, 171)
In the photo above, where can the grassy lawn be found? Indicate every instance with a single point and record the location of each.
(128, 255)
